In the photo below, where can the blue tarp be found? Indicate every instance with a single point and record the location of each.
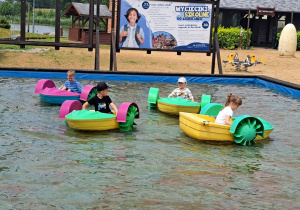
(155, 78)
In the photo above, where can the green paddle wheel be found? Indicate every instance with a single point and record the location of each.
(92, 93)
(211, 109)
(245, 128)
(128, 125)
(153, 96)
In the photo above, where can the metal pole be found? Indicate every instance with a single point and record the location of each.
(241, 38)
(111, 63)
(91, 25)
(216, 14)
(57, 24)
(33, 7)
(28, 17)
(97, 63)
(23, 23)
(248, 29)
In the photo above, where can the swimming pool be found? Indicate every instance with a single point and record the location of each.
(45, 164)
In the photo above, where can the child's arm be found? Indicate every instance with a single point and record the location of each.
(227, 120)
(172, 94)
(79, 87)
(191, 95)
(63, 87)
(114, 107)
(124, 33)
(140, 39)
(85, 105)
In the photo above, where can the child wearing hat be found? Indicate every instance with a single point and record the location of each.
(182, 91)
(101, 101)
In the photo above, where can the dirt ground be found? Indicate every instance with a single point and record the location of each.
(283, 68)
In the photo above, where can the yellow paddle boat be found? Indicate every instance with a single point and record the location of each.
(175, 105)
(244, 129)
(81, 119)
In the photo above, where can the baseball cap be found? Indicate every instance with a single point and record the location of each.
(102, 86)
(182, 79)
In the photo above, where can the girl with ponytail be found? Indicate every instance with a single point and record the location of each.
(231, 104)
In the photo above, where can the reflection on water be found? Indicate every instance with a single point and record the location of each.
(46, 164)
(40, 29)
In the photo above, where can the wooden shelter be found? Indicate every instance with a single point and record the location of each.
(80, 14)
(266, 18)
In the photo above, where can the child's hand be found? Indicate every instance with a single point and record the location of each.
(69, 90)
(139, 38)
(124, 33)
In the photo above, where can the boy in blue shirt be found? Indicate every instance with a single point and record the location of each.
(71, 84)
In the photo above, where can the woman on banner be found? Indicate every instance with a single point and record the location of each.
(132, 35)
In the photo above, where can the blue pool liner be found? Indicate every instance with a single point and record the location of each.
(260, 81)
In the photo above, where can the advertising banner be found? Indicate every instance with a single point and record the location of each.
(165, 25)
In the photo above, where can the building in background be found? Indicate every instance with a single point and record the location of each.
(79, 32)
(267, 17)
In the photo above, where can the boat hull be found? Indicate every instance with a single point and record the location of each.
(202, 127)
(175, 109)
(93, 124)
(57, 99)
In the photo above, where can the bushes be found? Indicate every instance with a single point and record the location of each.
(4, 24)
(298, 40)
(229, 38)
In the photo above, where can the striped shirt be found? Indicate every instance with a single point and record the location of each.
(74, 86)
(183, 93)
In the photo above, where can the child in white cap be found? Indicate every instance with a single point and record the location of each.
(182, 91)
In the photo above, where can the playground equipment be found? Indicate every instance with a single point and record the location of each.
(250, 60)
(82, 119)
(175, 105)
(244, 129)
(50, 94)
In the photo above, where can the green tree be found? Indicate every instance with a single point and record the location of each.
(51, 13)
(17, 8)
(39, 13)
(10, 1)
(4, 24)
(6, 8)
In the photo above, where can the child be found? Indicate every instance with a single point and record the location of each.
(131, 35)
(101, 101)
(182, 91)
(71, 84)
(231, 104)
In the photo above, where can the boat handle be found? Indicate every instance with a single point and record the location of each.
(205, 122)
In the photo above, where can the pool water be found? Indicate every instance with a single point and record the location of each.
(44, 164)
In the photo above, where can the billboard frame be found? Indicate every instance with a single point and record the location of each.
(171, 50)
(213, 49)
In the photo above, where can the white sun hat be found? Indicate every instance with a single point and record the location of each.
(182, 79)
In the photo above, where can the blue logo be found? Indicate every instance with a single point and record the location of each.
(145, 5)
(205, 25)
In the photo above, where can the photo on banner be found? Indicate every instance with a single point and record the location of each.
(165, 25)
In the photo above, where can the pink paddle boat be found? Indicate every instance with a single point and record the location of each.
(50, 94)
